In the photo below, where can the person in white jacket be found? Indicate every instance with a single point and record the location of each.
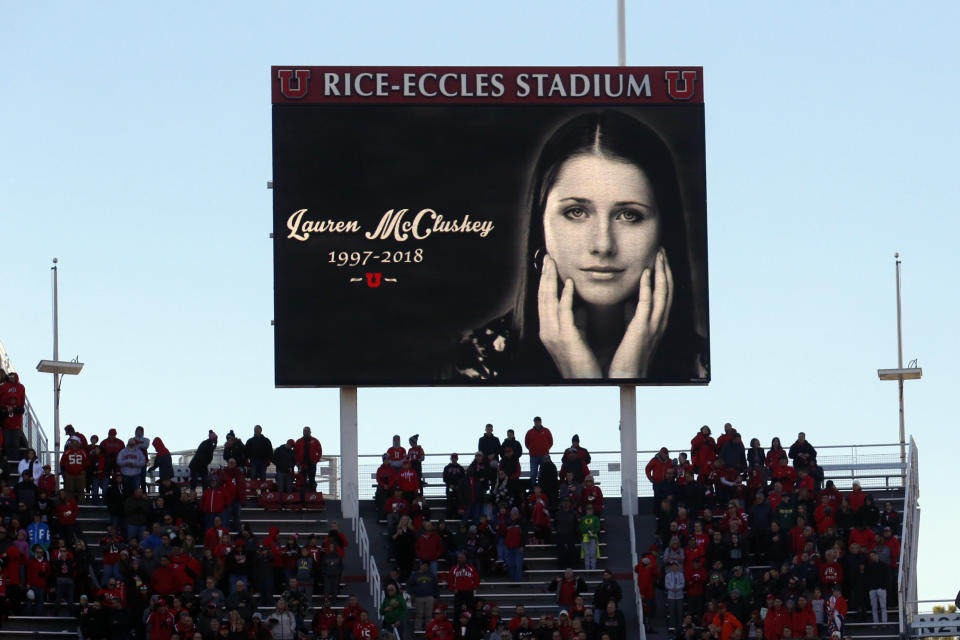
(30, 462)
(282, 623)
(675, 584)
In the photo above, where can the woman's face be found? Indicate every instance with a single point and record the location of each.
(602, 227)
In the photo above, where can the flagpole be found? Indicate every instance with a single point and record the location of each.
(622, 33)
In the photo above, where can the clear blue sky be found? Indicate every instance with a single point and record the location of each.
(136, 146)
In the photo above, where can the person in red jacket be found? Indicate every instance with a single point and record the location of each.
(165, 580)
(73, 434)
(440, 628)
(538, 441)
(396, 454)
(160, 621)
(785, 475)
(656, 469)
(591, 494)
(802, 616)
(308, 452)
(856, 496)
(776, 621)
(647, 575)
(73, 462)
(416, 455)
(213, 501)
(387, 480)
(364, 629)
(47, 481)
(111, 446)
(13, 399)
(703, 450)
(235, 487)
(728, 434)
(429, 546)
(38, 574)
(463, 579)
(831, 572)
(66, 516)
(408, 481)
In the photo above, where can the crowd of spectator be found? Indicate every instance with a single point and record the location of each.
(177, 561)
(751, 543)
(495, 511)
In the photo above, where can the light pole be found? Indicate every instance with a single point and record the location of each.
(58, 368)
(900, 373)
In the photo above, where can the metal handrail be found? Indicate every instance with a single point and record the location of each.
(655, 451)
(368, 562)
(638, 599)
(907, 570)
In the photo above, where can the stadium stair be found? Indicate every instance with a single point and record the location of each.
(541, 566)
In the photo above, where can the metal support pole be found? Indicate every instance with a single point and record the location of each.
(628, 449)
(349, 454)
(621, 33)
(903, 431)
(56, 377)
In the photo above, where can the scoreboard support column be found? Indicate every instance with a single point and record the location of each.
(628, 449)
(349, 463)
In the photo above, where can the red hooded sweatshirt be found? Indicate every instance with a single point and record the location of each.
(160, 448)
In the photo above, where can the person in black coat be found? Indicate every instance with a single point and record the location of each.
(802, 453)
(549, 479)
(612, 622)
(755, 454)
(511, 442)
(119, 621)
(489, 445)
(868, 514)
(607, 591)
(259, 449)
(284, 459)
(453, 475)
(567, 524)
(201, 460)
(732, 453)
(233, 448)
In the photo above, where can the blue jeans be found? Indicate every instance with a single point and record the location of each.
(208, 519)
(474, 511)
(135, 531)
(515, 563)
(110, 571)
(130, 484)
(258, 469)
(535, 468)
(284, 485)
(233, 511)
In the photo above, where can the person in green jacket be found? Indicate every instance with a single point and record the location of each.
(589, 536)
(741, 583)
(394, 612)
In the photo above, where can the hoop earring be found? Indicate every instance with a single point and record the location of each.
(537, 261)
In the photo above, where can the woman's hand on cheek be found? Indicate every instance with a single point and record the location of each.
(558, 332)
(636, 350)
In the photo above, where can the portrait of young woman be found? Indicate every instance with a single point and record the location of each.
(605, 291)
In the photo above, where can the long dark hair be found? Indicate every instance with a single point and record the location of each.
(615, 135)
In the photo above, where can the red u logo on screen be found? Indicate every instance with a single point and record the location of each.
(294, 84)
(676, 79)
(374, 279)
